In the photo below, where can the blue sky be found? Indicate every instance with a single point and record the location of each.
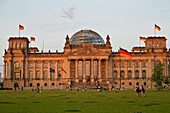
(52, 20)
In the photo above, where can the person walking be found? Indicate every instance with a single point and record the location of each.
(137, 91)
(143, 90)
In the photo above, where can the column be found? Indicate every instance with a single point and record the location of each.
(92, 71)
(34, 75)
(106, 69)
(56, 73)
(133, 75)
(8, 69)
(49, 66)
(26, 69)
(76, 68)
(56, 70)
(4, 69)
(140, 74)
(42, 70)
(99, 70)
(22, 71)
(84, 70)
(126, 75)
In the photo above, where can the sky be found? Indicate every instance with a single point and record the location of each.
(52, 20)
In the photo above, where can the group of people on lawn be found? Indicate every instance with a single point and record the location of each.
(138, 90)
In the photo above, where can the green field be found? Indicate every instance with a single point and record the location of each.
(90, 101)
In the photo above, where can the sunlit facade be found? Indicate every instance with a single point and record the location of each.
(86, 59)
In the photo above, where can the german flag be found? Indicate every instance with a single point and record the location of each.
(21, 27)
(63, 70)
(142, 38)
(32, 39)
(125, 53)
(157, 27)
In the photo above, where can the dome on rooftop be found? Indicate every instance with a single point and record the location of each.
(86, 37)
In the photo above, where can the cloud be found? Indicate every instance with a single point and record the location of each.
(67, 12)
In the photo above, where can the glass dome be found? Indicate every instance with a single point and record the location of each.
(86, 37)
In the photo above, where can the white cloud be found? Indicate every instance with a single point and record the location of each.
(67, 12)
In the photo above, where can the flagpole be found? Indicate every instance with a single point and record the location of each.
(120, 66)
(43, 44)
(155, 32)
(19, 33)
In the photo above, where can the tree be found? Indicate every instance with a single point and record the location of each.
(158, 75)
(166, 81)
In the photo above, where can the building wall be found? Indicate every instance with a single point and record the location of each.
(32, 69)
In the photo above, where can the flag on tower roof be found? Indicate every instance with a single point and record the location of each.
(125, 53)
(21, 27)
(157, 27)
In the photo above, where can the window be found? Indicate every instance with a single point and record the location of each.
(52, 84)
(136, 64)
(16, 45)
(45, 84)
(45, 75)
(122, 75)
(144, 83)
(38, 84)
(30, 84)
(129, 74)
(30, 65)
(52, 76)
(31, 75)
(38, 75)
(129, 64)
(21, 45)
(143, 74)
(152, 44)
(60, 64)
(122, 64)
(115, 75)
(12, 45)
(143, 64)
(160, 44)
(16, 64)
(53, 65)
(38, 64)
(123, 83)
(114, 65)
(130, 83)
(156, 44)
(45, 64)
(136, 74)
(137, 83)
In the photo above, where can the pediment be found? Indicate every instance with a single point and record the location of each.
(88, 51)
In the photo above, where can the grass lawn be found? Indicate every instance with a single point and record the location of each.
(84, 102)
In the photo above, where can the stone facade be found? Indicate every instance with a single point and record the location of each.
(83, 63)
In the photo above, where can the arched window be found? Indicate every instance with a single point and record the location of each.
(136, 74)
(38, 84)
(122, 75)
(137, 83)
(31, 75)
(52, 76)
(45, 84)
(129, 74)
(38, 75)
(21, 45)
(115, 75)
(16, 45)
(16, 64)
(12, 45)
(143, 74)
(45, 75)
(30, 84)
